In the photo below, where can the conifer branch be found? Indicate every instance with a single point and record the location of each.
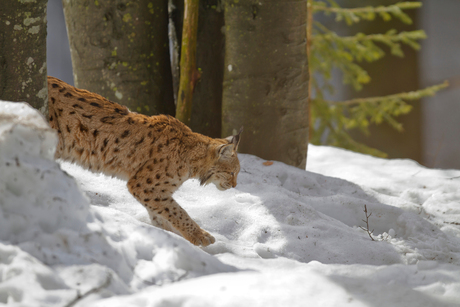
(368, 9)
(391, 39)
(354, 15)
(332, 120)
(413, 95)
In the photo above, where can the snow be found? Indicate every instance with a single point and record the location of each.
(285, 236)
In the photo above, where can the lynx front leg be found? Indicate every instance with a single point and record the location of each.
(156, 196)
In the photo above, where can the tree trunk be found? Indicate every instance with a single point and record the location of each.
(207, 98)
(23, 53)
(207, 95)
(188, 73)
(175, 12)
(265, 80)
(120, 50)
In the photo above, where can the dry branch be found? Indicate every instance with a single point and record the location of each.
(367, 224)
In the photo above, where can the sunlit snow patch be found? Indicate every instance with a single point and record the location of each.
(68, 251)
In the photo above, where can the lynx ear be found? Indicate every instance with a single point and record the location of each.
(235, 139)
(226, 151)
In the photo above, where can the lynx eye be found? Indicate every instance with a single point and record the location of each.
(232, 174)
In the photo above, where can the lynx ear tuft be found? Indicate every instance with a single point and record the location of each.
(235, 139)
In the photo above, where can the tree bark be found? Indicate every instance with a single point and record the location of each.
(188, 72)
(265, 85)
(23, 53)
(207, 94)
(120, 50)
(207, 97)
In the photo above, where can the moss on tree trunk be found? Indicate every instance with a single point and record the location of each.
(120, 50)
(188, 72)
(23, 53)
(265, 81)
(206, 115)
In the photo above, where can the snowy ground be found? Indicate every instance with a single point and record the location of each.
(285, 237)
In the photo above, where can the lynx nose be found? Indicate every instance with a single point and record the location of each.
(234, 183)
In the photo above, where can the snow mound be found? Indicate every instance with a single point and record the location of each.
(282, 211)
(284, 282)
(285, 237)
(37, 197)
(433, 194)
(64, 249)
(278, 210)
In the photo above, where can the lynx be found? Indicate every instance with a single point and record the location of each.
(155, 154)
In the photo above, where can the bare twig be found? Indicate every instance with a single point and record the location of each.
(367, 224)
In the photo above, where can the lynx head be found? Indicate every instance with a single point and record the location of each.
(225, 165)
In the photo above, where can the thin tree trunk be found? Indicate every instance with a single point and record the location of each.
(309, 41)
(175, 14)
(188, 73)
(207, 94)
(120, 50)
(23, 53)
(266, 78)
(207, 97)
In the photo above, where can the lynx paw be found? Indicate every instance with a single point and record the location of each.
(200, 237)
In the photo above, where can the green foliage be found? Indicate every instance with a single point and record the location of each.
(355, 15)
(331, 121)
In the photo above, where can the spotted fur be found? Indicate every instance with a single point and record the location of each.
(154, 154)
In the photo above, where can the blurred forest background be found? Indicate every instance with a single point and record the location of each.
(430, 131)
